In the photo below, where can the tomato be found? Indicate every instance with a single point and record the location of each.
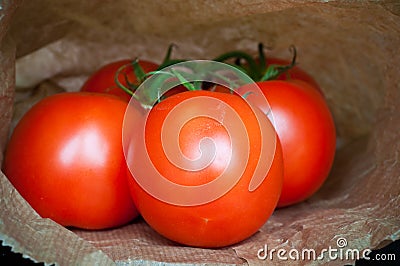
(234, 215)
(65, 158)
(306, 129)
(103, 80)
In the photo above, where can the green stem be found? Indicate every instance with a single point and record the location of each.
(261, 57)
(167, 56)
(183, 81)
(167, 59)
(139, 74)
(119, 84)
(254, 72)
(138, 70)
(273, 71)
(258, 71)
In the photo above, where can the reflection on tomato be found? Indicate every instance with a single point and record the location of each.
(235, 215)
(65, 158)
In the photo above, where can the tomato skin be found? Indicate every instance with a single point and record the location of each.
(65, 158)
(103, 80)
(227, 220)
(306, 129)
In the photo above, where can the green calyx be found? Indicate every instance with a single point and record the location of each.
(257, 70)
(139, 73)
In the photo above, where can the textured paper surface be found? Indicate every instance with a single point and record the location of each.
(350, 48)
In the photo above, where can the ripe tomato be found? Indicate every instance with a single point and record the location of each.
(307, 133)
(65, 157)
(236, 214)
(103, 80)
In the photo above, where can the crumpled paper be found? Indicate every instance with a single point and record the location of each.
(351, 48)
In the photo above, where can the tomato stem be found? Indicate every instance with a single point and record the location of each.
(253, 68)
(258, 71)
(261, 57)
(184, 81)
(167, 56)
(273, 71)
(140, 75)
(119, 84)
(167, 59)
(138, 70)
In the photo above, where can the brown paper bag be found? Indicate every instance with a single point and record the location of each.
(351, 48)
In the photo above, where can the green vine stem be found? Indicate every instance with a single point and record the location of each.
(168, 61)
(274, 71)
(140, 74)
(131, 86)
(261, 57)
(258, 69)
(253, 72)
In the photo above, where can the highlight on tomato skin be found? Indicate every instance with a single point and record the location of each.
(65, 158)
(237, 214)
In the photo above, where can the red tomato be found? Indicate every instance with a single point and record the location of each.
(103, 80)
(307, 133)
(65, 158)
(238, 213)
